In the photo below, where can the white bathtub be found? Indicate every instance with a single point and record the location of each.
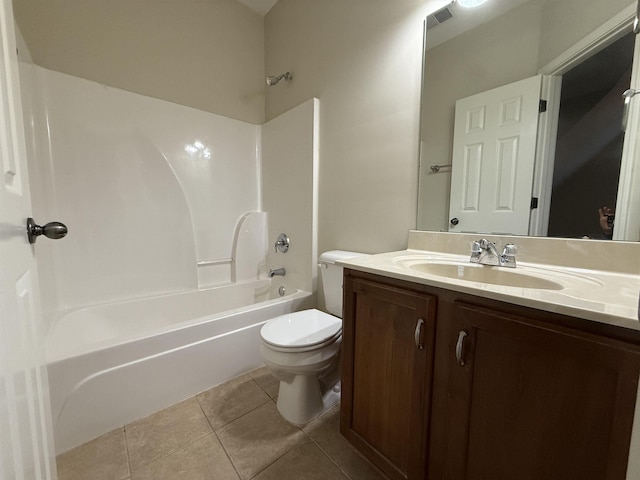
(111, 364)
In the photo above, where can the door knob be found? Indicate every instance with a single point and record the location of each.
(454, 221)
(53, 230)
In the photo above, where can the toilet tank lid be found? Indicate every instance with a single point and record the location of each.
(333, 256)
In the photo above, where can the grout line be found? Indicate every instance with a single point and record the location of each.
(326, 454)
(381, 475)
(279, 456)
(233, 465)
(180, 447)
(261, 387)
(237, 418)
(205, 414)
(126, 444)
(324, 451)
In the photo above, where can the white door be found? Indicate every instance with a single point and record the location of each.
(26, 450)
(494, 150)
(627, 224)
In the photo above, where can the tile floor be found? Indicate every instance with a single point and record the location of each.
(231, 432)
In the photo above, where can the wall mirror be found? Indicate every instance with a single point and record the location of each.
(522, 119)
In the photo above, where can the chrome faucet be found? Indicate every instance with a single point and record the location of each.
(485, 252)
(278, 271)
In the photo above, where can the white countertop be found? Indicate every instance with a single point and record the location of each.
(598, 295)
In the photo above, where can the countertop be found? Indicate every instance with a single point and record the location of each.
(603, 296)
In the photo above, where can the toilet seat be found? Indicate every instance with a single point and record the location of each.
(301, 331)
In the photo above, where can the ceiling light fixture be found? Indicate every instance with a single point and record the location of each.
(470, 3)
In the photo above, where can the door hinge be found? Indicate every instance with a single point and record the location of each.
(543, 106)
(534, 202)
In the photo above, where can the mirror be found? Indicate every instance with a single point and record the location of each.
(506, 41)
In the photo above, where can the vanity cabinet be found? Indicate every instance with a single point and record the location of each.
(387, 343)
(500, 391)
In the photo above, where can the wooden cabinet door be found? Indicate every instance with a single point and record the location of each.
(527, 401)
(387, 355)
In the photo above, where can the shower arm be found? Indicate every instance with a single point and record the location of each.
(274, 79)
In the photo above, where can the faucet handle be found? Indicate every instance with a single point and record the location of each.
(510, 249)
(509, 255)
(282, 243)
(476, 252)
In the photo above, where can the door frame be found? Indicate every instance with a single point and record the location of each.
(626, 226)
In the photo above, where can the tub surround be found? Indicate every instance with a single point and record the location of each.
(289, 191)
(601, 279)
(105, 156)
(114, 160)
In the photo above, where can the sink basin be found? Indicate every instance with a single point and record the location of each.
(483, 274)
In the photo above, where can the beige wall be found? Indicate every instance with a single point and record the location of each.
(362, 59)
(567, 21)
(204, 54)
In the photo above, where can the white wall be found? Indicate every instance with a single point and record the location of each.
(289, 192)
(362, 59)
(204, 54)
(141, 209)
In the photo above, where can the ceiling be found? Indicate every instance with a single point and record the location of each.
(259, 6)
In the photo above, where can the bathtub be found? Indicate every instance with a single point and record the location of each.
(111, 364)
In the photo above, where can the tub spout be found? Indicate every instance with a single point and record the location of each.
(278, 271)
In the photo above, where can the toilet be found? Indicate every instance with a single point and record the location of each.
(302, 349)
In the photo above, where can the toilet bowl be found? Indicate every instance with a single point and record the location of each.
(302, 350)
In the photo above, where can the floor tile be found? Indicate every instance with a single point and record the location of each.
(325, 432)
(304, 462)
(203, 459)
(257, 439)
(266, 381)
(102, 458)
(164, 432)
(231, 400)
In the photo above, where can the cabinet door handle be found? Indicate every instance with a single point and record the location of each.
(419, 345)
(460, 347)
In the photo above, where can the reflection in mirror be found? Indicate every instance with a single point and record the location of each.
(582, 163)
(589, 142)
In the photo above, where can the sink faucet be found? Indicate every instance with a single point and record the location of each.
(278, 271)
(485, 252)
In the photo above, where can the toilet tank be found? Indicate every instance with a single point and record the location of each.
(332, 278)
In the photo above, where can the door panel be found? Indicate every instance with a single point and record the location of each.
(534, 403)
(385, 382)
(26, 449)
(493, 159)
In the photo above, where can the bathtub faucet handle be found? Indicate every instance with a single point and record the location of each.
(282, 243)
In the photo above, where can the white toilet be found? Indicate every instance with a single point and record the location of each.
(302, 349)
